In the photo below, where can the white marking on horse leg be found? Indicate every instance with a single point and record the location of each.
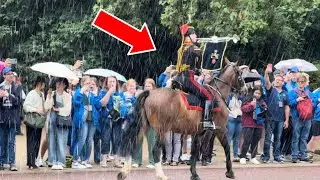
(129, 162)
(127, 166)
(159, 171)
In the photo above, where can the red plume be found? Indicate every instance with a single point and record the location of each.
(184, 28)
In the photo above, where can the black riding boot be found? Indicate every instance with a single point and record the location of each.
(207, 120)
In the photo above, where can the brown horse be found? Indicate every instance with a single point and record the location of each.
(164, 110)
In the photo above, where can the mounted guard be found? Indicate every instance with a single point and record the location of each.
(192, 60)
(167, 110)
(188, 65)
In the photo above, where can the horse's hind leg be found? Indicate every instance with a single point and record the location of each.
(125, 169)
(195, 148)
(222, 136)
(156, 156)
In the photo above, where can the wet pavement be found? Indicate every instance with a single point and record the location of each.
(206, 173)
(288, 170)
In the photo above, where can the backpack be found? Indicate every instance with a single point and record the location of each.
(305, 108)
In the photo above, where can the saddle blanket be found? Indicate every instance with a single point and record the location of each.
(192, 102)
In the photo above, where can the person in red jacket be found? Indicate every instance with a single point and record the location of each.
(253, 110)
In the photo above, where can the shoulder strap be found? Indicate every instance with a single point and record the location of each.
(54, 99)
(42, 98)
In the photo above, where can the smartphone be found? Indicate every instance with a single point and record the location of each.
(13, 61)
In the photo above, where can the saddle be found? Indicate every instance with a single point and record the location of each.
(191, 101)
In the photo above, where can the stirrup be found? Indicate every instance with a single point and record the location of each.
(208, 125)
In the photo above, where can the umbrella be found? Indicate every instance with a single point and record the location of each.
(303, 65)
(55, 69)
(250, 76)
(105, 73)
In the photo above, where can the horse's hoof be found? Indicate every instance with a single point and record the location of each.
(195, 178)
(163, 178)
(230, 174)
(121, 176)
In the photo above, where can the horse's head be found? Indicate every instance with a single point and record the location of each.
(232, 76)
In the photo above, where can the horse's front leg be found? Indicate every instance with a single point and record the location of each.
(195, 148)
(156, 151)
(222, 136)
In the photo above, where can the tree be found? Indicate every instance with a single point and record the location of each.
(314, 78)
(270, 30)
(59, 30)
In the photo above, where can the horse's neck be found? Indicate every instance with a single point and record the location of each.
(223, 88)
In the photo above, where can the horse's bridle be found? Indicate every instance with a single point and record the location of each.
(239, 79)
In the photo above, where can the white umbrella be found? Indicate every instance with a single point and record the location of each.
(105, 73)
(303, 65)
(55, 69)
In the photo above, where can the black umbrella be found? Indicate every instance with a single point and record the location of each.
(250, 76)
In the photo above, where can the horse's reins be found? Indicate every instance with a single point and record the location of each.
(224, 82)
(217, 88)
(218, 91)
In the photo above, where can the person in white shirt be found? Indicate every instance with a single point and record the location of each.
(234, 124)
(59, 104)
(34, 103)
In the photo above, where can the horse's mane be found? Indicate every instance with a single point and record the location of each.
(225, 68)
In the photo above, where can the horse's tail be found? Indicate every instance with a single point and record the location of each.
(130, 137)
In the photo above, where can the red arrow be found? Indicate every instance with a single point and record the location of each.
(140, 41)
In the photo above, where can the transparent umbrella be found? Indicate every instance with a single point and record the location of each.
(105, 73)
(303, 65)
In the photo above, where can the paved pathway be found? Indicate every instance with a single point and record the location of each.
(181, 172)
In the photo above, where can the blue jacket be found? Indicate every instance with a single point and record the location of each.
(96, 110)
(316, 105)
(130, 102)
(290, 86)
(117, 102)
(293, 95)
(104, 113)
(78, 109)
(162, 80)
